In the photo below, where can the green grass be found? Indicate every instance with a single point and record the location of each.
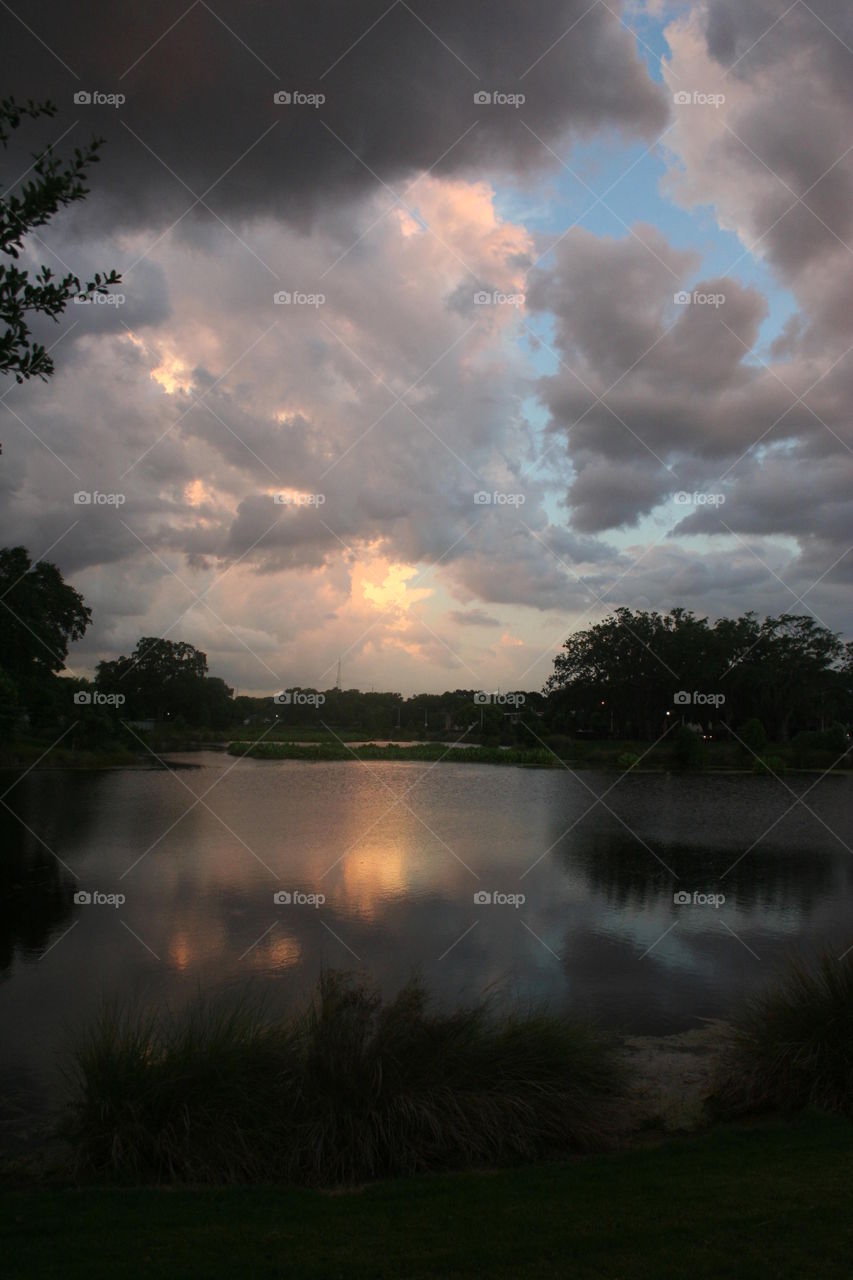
(351, 1088)
(793, 1044)
(767, 1201)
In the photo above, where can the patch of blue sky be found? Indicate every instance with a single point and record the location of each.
(611, 189)
(651, 42)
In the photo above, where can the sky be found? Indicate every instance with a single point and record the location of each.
(443, 330)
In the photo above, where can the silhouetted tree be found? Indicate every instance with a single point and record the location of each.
(622, 675)
(161, 679)
(55, 183)
(41, 616)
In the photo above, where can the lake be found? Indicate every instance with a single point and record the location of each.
(397, 853)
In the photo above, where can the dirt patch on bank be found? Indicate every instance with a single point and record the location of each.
(671, 1079)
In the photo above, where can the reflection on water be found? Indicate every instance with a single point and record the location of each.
(397, 853)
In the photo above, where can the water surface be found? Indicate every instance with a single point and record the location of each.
(398, 851)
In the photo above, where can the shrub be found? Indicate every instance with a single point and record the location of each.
(769, 764)
(793, 1045)
(818, 748)
(753, 736)
(352, 1088)
(686, 748)
(627, 760)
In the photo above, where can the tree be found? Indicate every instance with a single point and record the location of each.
(56, 183)
(624, 673)
(41, 616)
(753, 736)
(686, 748)
(163, 679)
(10, 709)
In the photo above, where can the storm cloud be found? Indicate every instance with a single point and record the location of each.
(376, 388)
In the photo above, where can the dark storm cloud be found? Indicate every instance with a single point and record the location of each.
(399, 84)
(778, 165)
(652, 395)
(742, 35)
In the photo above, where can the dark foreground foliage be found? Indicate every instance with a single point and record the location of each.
(353, 1088)
(793, 1045)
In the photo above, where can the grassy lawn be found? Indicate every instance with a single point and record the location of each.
(764, 1200)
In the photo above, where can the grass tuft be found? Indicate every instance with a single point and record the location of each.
(349, 1089)
(793, 1045)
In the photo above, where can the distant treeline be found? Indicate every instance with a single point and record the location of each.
(630, 677)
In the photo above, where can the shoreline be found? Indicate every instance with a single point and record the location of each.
(429, 753)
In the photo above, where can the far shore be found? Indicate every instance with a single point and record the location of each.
(591, 756)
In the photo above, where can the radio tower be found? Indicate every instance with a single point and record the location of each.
(338, 676)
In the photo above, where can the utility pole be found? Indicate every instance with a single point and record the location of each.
(338, 676)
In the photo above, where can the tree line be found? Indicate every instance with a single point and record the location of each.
(630, 677)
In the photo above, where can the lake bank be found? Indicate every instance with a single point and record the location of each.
(636, 757)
